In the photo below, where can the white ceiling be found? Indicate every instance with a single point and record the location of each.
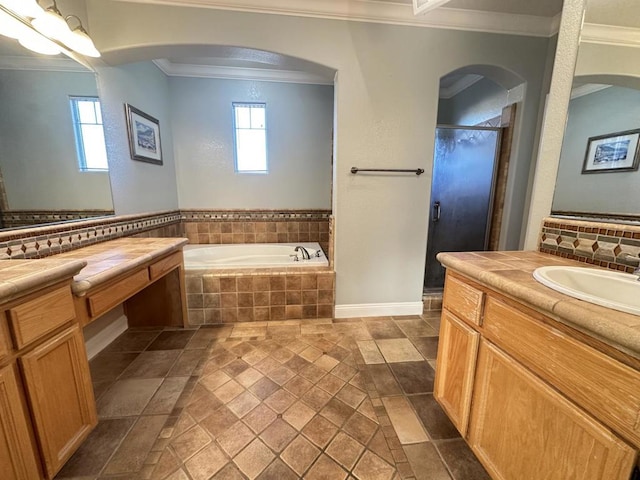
(522, 17)
(515, 17)
(620, 13)
(542, 8)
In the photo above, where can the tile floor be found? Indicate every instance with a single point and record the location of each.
(318, 399)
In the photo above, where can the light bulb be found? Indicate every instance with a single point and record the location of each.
(79, 41)
(39, 44)
(26, 8)
(51, 24)
(12, 27)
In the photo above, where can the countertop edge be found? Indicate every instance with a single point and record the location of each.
(583, 316)
(49, 275)
(81, 286)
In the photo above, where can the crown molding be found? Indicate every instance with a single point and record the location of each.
(610, 35)
(587, 89)
(239, 73)
(375, 11)
(459, 86)
(45, 64)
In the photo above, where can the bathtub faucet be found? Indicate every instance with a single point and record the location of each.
(305, 253)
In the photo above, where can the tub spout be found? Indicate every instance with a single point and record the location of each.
(305, 253)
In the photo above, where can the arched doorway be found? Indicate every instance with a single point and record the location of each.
(476, 116)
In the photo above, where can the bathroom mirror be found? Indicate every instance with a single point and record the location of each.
(43, 179)
(605, 103)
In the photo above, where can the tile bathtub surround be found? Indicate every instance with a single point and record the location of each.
(275, 400)
(259, 295)
(608, 245)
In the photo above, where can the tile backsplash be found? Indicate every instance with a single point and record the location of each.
(23, 218)
(43, 241)
(257, 226)
(200, 226)
(614, 246)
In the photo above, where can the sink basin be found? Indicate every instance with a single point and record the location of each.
(617, 290)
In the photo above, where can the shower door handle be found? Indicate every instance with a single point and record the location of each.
(436, 211)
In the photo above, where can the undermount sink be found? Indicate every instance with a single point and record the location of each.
(617, 290)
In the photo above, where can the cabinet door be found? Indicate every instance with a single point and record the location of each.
(522, 428)
(58, 384)
(456, 363)
(17, 452)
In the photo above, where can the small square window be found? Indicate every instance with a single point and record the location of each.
(89, 132)
(249, 121)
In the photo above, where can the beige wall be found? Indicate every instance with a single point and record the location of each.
(299, 124)
(137, 186)
(38, 156)
(386, 106)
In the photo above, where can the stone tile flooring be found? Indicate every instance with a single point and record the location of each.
(318, 399)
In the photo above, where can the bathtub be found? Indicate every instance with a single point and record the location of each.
(252, 255)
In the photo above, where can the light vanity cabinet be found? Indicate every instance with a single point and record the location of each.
(531, 400)
(457, 354)
(47, 407)
(18, 457)
(152, 291)
(59, 389)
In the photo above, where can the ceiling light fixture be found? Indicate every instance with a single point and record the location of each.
(51, 23)
(78, 39)
(26, 8)
(39, 44)
(44, 31)
(11, 27)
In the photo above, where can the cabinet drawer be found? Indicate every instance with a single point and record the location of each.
(606, 388)
(165, 265)
(463, 300)
(102, 301)
(35, 318)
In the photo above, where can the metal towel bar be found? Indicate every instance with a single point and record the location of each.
(417, 171)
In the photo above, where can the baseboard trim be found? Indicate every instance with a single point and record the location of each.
(378, 309)
(104, 337)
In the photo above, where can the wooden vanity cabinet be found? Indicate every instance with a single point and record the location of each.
(457, 353)
(47, 407)
(58, 385)
(523, 428)
(513, 396)
(152, 293)
(18, 457)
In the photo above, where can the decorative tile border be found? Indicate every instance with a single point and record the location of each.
(609, 245)
(254, 215)
(48, 240)
(22, 218)
(200, 226)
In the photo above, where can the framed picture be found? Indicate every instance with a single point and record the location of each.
(614, 152)
(144, 136)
